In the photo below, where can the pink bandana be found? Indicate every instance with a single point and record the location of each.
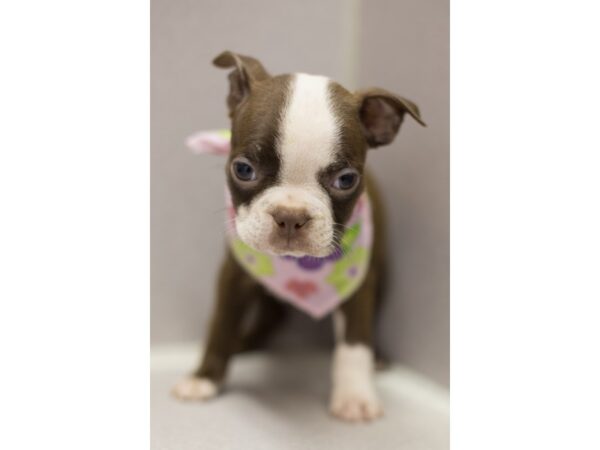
(316, 286)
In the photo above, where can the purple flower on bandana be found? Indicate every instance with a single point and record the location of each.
(310, 262)
(315, 263)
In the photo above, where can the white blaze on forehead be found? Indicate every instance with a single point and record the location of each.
(308, 137)
(309, 130)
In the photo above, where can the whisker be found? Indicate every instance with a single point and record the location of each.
(345, 227)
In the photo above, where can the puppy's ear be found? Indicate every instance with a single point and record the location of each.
(247, 71)
(381, 114)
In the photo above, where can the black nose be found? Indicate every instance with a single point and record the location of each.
(290, 221)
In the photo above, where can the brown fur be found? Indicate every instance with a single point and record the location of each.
(369, 119)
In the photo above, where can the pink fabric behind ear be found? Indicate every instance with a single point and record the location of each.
(217, 142)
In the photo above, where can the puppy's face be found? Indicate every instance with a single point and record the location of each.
(296, 165)
(299, 144)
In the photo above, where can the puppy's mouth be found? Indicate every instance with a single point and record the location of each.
(274, 240)
(300, 253)
(276, 243)
(297, 248)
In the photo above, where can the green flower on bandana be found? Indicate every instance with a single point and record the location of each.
(258, 264)
(345, 275)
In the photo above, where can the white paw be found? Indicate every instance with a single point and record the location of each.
(354, 397)
(192, 388)
(355, 406)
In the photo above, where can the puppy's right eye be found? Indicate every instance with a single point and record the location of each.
(243, 170)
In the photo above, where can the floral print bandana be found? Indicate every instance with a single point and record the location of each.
(316, 286)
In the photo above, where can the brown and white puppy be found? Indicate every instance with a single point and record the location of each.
(295, 172)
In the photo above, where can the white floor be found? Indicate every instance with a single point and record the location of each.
(275, 400)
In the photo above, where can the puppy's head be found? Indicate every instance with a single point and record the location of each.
(298, 151)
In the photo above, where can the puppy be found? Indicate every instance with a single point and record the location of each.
(305, 223)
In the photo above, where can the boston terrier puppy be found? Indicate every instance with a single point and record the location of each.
(305, 223)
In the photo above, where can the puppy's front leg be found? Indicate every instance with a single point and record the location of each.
(354, 397)
(234, 289)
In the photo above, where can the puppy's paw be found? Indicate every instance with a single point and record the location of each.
(192, 388)
(355, 406)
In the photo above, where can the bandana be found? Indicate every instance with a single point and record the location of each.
(314, 285)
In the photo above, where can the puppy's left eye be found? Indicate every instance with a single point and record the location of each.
(346, 180)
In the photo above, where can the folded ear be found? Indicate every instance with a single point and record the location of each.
(247, 71)
(381, 114)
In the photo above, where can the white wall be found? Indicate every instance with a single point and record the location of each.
(405, 48)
